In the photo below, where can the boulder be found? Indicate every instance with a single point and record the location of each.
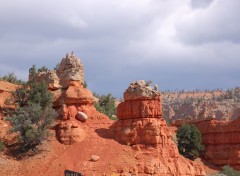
(82, 116)
(69, 132)
(94, 158)
(77, 94)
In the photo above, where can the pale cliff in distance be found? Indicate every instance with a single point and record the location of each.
(193, 106)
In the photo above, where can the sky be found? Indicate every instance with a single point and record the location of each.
(178, 44)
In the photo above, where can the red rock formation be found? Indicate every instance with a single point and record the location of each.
(140, 124)
(70, 98)
(222, 141)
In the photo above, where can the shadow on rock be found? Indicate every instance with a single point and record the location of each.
(105, 133)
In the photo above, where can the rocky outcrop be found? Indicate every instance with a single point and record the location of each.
(140, 125)
(50, 77)
(222, 141)
(71, 100)
(70, 69)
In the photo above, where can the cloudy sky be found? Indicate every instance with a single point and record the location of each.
(178, 44)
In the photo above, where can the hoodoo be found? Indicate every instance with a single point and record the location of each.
(140, 125)
(72, 101)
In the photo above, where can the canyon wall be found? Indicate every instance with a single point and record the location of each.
(222, 141)
(193, 106)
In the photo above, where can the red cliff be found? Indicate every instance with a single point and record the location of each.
(222, 141)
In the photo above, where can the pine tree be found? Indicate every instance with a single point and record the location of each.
(189, 141)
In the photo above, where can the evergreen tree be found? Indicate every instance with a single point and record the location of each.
(12, 78)
(106, 105)
(189, 141)
(34, 115)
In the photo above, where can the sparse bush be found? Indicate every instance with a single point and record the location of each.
(229, 171)
(1, 146)
(85, 84)
(189, 141)
(31, 122)
(21, 96)
(12, 78)
(34, 115)
(57, 66)
(106, 105)
(43, 69)
(39, 94)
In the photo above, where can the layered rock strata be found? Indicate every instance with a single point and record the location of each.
(140, 125)
(222, 141)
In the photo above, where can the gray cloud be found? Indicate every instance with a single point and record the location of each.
(177, 44)
(200, 3)
(217, 23)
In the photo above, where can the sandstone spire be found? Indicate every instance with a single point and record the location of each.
(140, 124)
(70, 69)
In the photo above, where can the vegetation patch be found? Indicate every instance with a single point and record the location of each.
(189, 141)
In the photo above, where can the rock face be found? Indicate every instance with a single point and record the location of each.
(222, 141)
(140, 125)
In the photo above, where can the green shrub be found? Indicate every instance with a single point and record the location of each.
(106, 105)
(21, 96)
(1, 146)
(32, 123)
(34, 115)
(12, 78)
(85, 84)
(189, 141)
(229, 171)
(39, 94)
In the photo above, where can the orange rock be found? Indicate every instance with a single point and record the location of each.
(70, 98)
(222, 141)
(77, 94)
(131, 109)
(69, 132)
(140, 123)
(6, 98)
